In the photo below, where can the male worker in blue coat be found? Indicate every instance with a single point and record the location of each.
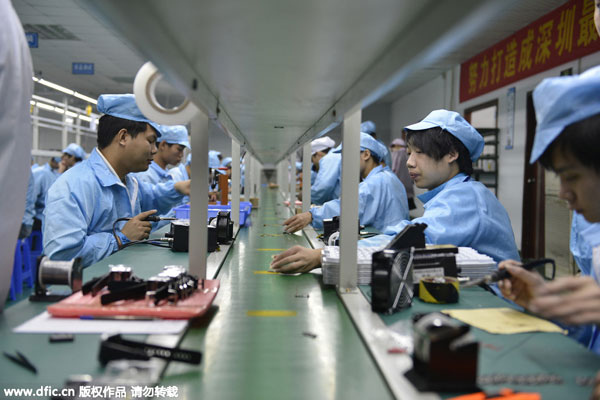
(85, 201)
(382, 198)
(170, 146)
(327, 183)
(458, 209)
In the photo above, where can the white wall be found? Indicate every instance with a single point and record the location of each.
(442, 92)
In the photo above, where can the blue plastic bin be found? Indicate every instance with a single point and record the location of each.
(183, 212)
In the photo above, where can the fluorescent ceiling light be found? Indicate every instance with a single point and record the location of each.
(84, 118)
(65, 90)
(45, 106)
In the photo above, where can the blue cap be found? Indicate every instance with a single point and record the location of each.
(560, 102)
(368, 142)
(454, 123)
(123, 106)
(368, 127)
(226, 162)
(299, 165)
(188, 159)
(75, 150)
(213, 159)
(174, 134)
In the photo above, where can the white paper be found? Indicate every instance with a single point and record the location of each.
(45, 323)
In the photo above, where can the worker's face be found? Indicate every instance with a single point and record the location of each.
(396, 147)
(425, 171)
(315, 158)
(171, 153)
(68, 160)
(53, 164)
(597, 15)
(579, 185)
(141, 149)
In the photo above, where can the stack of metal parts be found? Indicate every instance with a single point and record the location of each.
(331, 264)
(472, 264)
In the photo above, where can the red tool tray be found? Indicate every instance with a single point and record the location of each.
(78, 305)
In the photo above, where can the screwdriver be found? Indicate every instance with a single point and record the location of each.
(155, 218)
(504, 274)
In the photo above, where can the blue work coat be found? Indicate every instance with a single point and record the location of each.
(382, 201)
(462, 212)
(327, 185)
(85, 201)
(43, 178)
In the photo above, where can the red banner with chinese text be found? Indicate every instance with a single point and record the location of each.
(562, 35)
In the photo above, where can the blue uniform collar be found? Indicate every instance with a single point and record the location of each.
(161, 172)
(374, 171)
(460, 177)
(104, 174)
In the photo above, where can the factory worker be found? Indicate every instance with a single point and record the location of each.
(326, 185)
(86, 200)
(399, 158)
(458, 210)
(72, 154)
(27, 222)
(183, 171)
(226, 162)
(370, 128)
(15, 135)
(567, 142)
(381, 196)
(171, 144)
(40, 180)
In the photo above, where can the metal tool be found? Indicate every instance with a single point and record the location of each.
(504, 274)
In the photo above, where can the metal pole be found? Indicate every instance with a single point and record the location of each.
(199, 197)
(306, 167)
(235, 183)
(292, 177)
(65, 132)
(349, 200)
(248, 183)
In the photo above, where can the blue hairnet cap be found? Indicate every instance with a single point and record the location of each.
(560, 102)
(368, 142)
(299, 165)
(226, 162)
(213, 159)
(123, 106)
(454, 123)
(368, 127)
(75, 150)
(188, 159)
(174, 134)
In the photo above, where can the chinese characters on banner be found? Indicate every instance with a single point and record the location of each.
(565, 34)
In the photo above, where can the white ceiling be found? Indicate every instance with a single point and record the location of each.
(266, 63)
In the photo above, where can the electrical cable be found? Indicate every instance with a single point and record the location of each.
(154, 242)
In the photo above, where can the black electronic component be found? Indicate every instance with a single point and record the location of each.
(445, 355)
(391, 280)
(116, 348)
(61, 338)
(224, 227)
(330, 226)
(412, 235)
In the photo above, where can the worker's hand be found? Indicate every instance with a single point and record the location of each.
(574, 300)
(297, 222)
(522, 286)
(183, 187)
(297, 259)
(138, 229)
(62, 167)
(596, 392)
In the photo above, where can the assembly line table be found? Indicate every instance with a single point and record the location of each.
(273, 336)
